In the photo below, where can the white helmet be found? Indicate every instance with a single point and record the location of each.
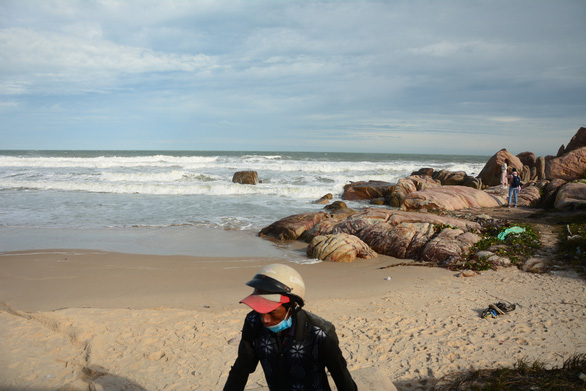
(273, 281)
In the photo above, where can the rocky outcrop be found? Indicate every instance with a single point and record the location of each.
(400, 234)
(245, 177)
(408, 185)
(293, 227)
(577, 142)
(449, 246)
(325, 199)
(491, 172)
(366, 190)
(450, 198)
(339, 248)
(569, 167)
(571, 196)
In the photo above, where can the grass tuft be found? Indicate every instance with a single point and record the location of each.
(524, 376)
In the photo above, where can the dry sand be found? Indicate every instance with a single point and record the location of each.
(79, 320)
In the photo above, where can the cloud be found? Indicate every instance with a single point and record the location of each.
(250, 70)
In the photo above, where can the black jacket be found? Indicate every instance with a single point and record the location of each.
(293, 360)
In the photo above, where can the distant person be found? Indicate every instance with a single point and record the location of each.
(293, 346)
(504, 173)
(515, 187)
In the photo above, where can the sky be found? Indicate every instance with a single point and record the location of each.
(418, 76)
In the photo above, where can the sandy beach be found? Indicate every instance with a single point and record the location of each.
(85, 320)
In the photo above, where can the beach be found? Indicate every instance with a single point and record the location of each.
(123, 270)
(86, 319)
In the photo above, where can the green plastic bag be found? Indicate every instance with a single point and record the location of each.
(513, 230)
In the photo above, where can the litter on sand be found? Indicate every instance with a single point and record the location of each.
(497, 309)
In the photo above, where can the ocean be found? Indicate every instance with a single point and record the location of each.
(75, 194)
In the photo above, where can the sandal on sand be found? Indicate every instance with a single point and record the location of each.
(497, 309)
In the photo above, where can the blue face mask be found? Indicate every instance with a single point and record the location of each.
(283, 325)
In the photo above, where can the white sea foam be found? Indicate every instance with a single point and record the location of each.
(130, 189)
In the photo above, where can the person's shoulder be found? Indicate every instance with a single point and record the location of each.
(318, 321)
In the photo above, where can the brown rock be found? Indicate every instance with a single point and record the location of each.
(527, 159)
(450, 178)
(293, 227)
(245, 177)
(491, 172)
(404, 240)
(324, 200)
(550, 191)
(578, 141)
(570, 166)
(366, 190)
(571, 196)
(339, 248)
(448, 247)
(450, 198)
(540, 167)
(408, 185)
(423, 172)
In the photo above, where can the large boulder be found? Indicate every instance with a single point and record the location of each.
(366, 190)
(293, 227)
(404, 240)
(339, 248)
(569, 167)
(527, 158)
(449, 246)
(577, 142)
(571, 196)
(550, 192)
(450, 198)
(491, 172)
(408, 185)
(245, 177)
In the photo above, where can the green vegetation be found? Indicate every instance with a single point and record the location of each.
(523, 376)
(517, 247)
(572, 244)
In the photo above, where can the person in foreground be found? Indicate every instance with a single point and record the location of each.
(293, 346)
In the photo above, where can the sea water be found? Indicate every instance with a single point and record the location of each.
(169, 191)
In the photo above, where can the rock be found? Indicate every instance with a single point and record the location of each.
(569, 167)
(527, 159)
(377, 201)
(450, 198)
(491, 172)
(535, 265)
(339, 248)
(404, 240)
(423, 172)
(540, 168)
(450, 178)
(406, 186)
(245, 177)
(550, 192)
(293, 227)
(467, 273)
(475, 183)
(448, 246)
(529, 196)
(577, 142)
(571, 196)
(337, 206)
(324, 200)
(366, 190)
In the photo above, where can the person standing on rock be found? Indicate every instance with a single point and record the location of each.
(515, 187)
(504, 173)
(293, 346)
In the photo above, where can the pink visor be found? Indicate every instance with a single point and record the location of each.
(264, 304)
